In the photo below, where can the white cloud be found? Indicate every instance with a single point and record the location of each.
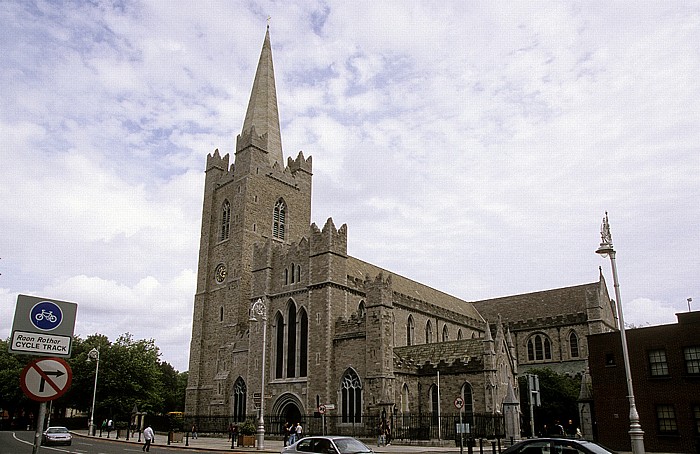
(474, 147)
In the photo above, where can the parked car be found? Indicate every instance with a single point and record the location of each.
(56, 436)
(556, 446)
(328, 445)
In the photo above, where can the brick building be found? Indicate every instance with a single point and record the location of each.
(341, 330)
(665, 365)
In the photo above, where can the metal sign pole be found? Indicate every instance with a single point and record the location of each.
(39, 427)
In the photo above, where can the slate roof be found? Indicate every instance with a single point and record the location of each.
(546, 303)
(359, 269)
(445, 351)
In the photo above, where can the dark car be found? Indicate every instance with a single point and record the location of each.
(328, 445)
(556, 446)
(56, 436)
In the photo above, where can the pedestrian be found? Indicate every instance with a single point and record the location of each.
(234, 435)
(285, 434)
(380, 433)
(292, 434)
(148, 438)
(230, 431)
(299, 432)
(194, 431)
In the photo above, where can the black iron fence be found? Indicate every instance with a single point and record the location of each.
(408, 427)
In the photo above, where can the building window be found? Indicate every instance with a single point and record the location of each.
(361, 309)
(410, 328)
(279, 345)
(225, 221)
(468, 401)
(303, 342)
(404, 399)
(692, 360)
(221, 313)
(696, 416)
(351, 397)
(539, 348)
(445, 334)
(658, 367)
(279, 222)
(428, 332)
(434, 402)
(459, 334)
(239, 397)
(666, 419)
(573, 345)
(291, 342)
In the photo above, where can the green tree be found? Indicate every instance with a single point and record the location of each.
(12, 399)
(559, 395)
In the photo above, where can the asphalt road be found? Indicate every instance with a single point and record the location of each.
(21, 442)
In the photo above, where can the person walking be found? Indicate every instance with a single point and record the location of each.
(194, 431)
(148, 437)
(292, 433)
(299, 431)
(285, 434)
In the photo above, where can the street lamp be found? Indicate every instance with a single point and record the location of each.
(94, 354)
(605, 250)
(259, 308)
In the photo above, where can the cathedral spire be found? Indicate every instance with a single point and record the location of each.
(262, 116)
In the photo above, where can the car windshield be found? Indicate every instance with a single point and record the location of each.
(57, 430)
(350, 446)
(595, 448)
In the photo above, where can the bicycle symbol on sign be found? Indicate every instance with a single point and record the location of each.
(46, 314)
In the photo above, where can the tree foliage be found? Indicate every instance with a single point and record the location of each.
(130, 374)
(559, 396)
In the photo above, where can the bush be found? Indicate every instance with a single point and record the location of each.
(247, 428)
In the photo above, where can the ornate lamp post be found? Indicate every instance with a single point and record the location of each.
(258, 308)
(605, 250)
(94, 354)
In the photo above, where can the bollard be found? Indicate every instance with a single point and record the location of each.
(493, 447)
(187, 438)
(170, 435)
(481, 446)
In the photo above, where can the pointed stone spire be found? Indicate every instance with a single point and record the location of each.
(262, 118)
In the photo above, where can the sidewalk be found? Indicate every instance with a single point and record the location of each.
(271, 446)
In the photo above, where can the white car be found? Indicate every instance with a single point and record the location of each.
(328, 445)
(56, 436)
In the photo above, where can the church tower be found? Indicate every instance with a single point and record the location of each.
(255, 200)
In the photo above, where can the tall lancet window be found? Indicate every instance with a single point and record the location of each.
(239, 400)
(225, 221)
(279, 220)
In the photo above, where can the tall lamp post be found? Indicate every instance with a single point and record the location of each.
(605, 250)
(259, 309)
(94, 354)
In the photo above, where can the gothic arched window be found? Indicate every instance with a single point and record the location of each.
(291, 340)
(573, 345)
(428, 332)
(351, 397)
(225, 221)
(361, 309)
(279, 222)
(404, 399)
(445, 334)
(279, 345)
(433, 394)
(239, 397)
(468, 399)
(303, 342)
(539, 348)
(410, 328)
(459, 334)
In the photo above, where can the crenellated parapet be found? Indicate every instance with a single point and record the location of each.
(329, 239)
(299, 164)
(216, 161)
(547, 322)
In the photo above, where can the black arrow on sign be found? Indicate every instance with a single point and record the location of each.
(57, 373)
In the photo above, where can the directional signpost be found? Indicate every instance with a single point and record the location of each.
(43, 327)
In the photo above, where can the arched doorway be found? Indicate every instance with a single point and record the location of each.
(288, 408)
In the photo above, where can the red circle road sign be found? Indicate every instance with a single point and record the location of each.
(46, 379)
(459, 403)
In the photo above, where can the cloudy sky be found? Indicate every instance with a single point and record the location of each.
(472, 146)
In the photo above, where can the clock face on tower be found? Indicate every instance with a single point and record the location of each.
(220, 273)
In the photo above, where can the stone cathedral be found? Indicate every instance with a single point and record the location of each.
(340, 331)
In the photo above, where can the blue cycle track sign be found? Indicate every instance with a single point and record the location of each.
(43, 326)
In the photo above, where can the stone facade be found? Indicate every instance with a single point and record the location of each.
(339, 330)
